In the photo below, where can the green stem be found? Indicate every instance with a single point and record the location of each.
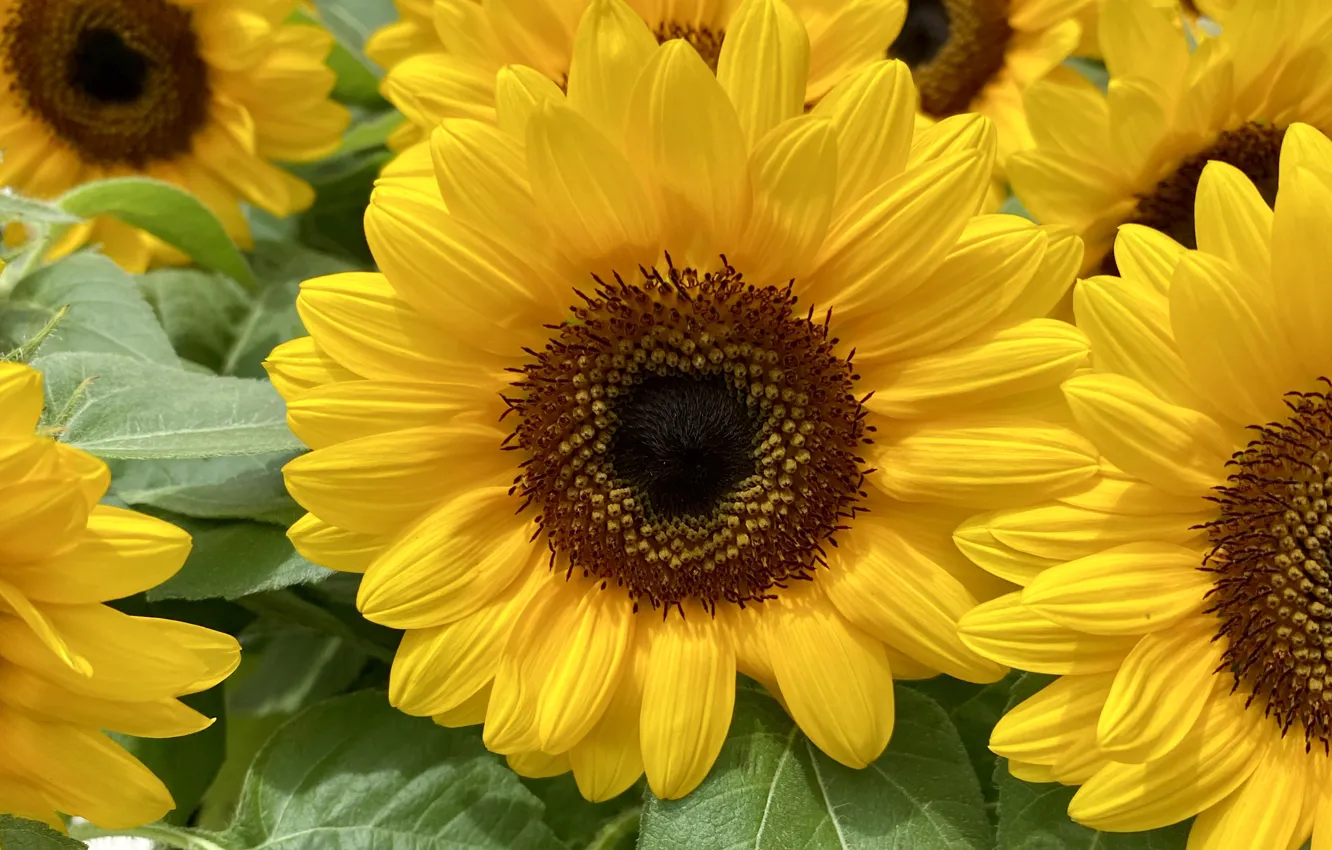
(610, 834)
(172, 836)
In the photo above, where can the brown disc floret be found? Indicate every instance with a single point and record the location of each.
(122, 82)
(688, 436)
(954, 48)
(1270, 557)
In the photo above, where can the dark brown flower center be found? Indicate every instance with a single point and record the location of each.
(687, 436)
(707, 42)
(954, 49)
(120, 81)
(1270, 556)
(1254, 149)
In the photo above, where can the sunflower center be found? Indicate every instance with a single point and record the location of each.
(1270, 555)
(119, 81)
(687, 436)
(708, 42)
(684, 442)
(954, 49)
(1254, 149)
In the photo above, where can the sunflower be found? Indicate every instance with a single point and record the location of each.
(200, 93)
(442, 56)
(1183, 595)
(1090, 20)
(73, 666)
(981, 55)
(1135, 156)
(592, 433)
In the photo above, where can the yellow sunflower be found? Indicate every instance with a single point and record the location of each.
(632, 360)
(1135, 155)
(200, 93)
(981, 55)
(1090, 20)
(442, 55)
(71, 666)
(1183, 596)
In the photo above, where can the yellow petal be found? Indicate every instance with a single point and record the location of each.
(820, 661)
(298, 365)
(336, 413)
(587, 192)
(13, 601)
(481, 172)
(1147, 256)
(873, 112)
(993, 261)
(438, 668)
(688, 696)
(1036, 354)
(1233, 221)
(468, 283)
(40, 516)
(685, 141)
(1266, 809)
(538, 765)
(587, 668)
(471, 712)
(1126, 590)
(1042, 728)
(1009, 632)
(1067, 532)
(1126, 496)
(333, 547)
(81, 770)
(449, 563)
(893, 592)
(954, 134)
(981, 463)
(1214, 758)
(121, 553)
(1160, 691)
(610, 50)
(1031, 772)
(609, 759)
(430, 87)
(1050, 283)
(1174, 448)
(977, 543)
(1301, 258)
(20, 399)
(763, 65)
(1128, 324)
(163, 718)
(413, 471)
(1228, 335)
(795, 176)
(519, 92)
(849, 38)
(358, 319)
(888, 244)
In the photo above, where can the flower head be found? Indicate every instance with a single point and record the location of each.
(663, 379)
(203, 94)
(1183, 596)
(73, 666)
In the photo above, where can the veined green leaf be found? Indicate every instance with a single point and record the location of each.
(166, 211)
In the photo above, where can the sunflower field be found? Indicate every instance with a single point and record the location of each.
(666, 424)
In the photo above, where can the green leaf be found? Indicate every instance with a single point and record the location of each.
(167, 212)
(286, 668)
(1013, 206)
(371, 132)
(29, 211)
(106, 312)
(210, 488)
(342, 188)
(142, 410)
(1093, 69)
(1034, 816)
(352, 22)
(20, 834)
(973, 709)
(353, 773)
(235, 559)
(199, 311)
(772, 788)
(186, 765)
(578, 822)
